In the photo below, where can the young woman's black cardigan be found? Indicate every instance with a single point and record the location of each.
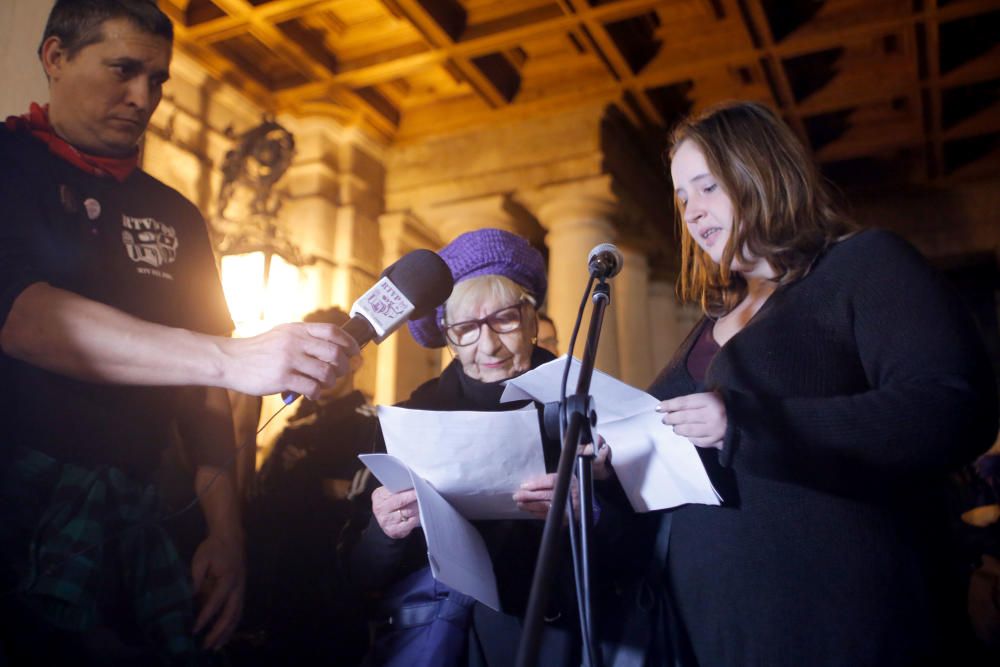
(850, 396)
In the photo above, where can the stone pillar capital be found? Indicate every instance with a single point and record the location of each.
(580, 201)
(577, 217)
(455, 218)
(401, 232)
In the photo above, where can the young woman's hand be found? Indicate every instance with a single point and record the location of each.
(701, 418)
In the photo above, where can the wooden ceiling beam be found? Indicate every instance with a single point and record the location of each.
(863, 147)
(362, 88)
(514, 20)
(676, 73)
(802, 44)
(589, 94)
(371, 75)
(295, 55)
(175, 10)
(382, 72)
(915, 94)
(757, 24)
(223, 29)
(609, 53)
(222, 69)
(276, 11)
(935, 112)
(437, 37)
(649, 78)
(602, 44)
(713, 9)
(956, 10)
(592, 92)
(640, 111)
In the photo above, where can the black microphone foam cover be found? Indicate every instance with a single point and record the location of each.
(423, 278)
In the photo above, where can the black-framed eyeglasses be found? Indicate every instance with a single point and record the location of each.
(505, 320)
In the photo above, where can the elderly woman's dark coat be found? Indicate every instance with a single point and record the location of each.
(378, 561)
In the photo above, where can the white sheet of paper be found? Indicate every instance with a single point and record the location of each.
(657, 468)
(616, 399)
(476, 460)
(455, 549)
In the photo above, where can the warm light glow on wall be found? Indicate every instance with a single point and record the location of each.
(258, 304)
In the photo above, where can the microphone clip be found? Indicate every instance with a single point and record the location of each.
(584, 406)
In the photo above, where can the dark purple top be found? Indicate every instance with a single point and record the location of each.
(702, 353)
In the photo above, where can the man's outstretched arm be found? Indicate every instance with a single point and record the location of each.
(71, 335)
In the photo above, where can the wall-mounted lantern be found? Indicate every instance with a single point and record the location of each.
(260, 266)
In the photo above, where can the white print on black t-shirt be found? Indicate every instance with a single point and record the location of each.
(150, 241)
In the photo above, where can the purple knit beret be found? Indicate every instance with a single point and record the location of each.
(485, 252)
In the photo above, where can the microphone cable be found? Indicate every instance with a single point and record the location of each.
(582, 602)
(223, 468)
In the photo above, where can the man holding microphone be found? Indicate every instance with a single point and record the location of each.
(114, 342)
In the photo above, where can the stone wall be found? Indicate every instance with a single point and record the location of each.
(945, 223)
(22, 79)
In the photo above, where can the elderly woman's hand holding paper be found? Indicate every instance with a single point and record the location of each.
(397, 513)
(535, 495)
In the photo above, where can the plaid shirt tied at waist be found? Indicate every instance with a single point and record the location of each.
(77, 537)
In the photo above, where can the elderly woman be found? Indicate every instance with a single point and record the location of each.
(831, 386)
(489, 324)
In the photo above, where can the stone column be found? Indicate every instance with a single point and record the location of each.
(630, 294)
(403, 364)
(577, 217)
(335, 188)
(669, 321)
(664, 329)
(335, 198)
(21, 77)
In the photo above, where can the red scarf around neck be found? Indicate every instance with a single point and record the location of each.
(36, 121)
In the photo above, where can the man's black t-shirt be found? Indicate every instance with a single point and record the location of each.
(138, 246)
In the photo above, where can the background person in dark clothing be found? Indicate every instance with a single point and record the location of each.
(548, 337)
(976, 514)
(324, 436)
(832, 385)
(299, 606)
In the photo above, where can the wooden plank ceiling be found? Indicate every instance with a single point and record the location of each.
(883, 91)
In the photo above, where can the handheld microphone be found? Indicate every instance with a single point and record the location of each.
(410, 288)
(605, 261)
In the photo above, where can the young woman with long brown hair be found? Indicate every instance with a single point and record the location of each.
(831, 386)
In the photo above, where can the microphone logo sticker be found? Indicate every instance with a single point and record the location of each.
(384, 306)
(387, 304)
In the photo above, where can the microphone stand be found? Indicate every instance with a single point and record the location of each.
(580, 418)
